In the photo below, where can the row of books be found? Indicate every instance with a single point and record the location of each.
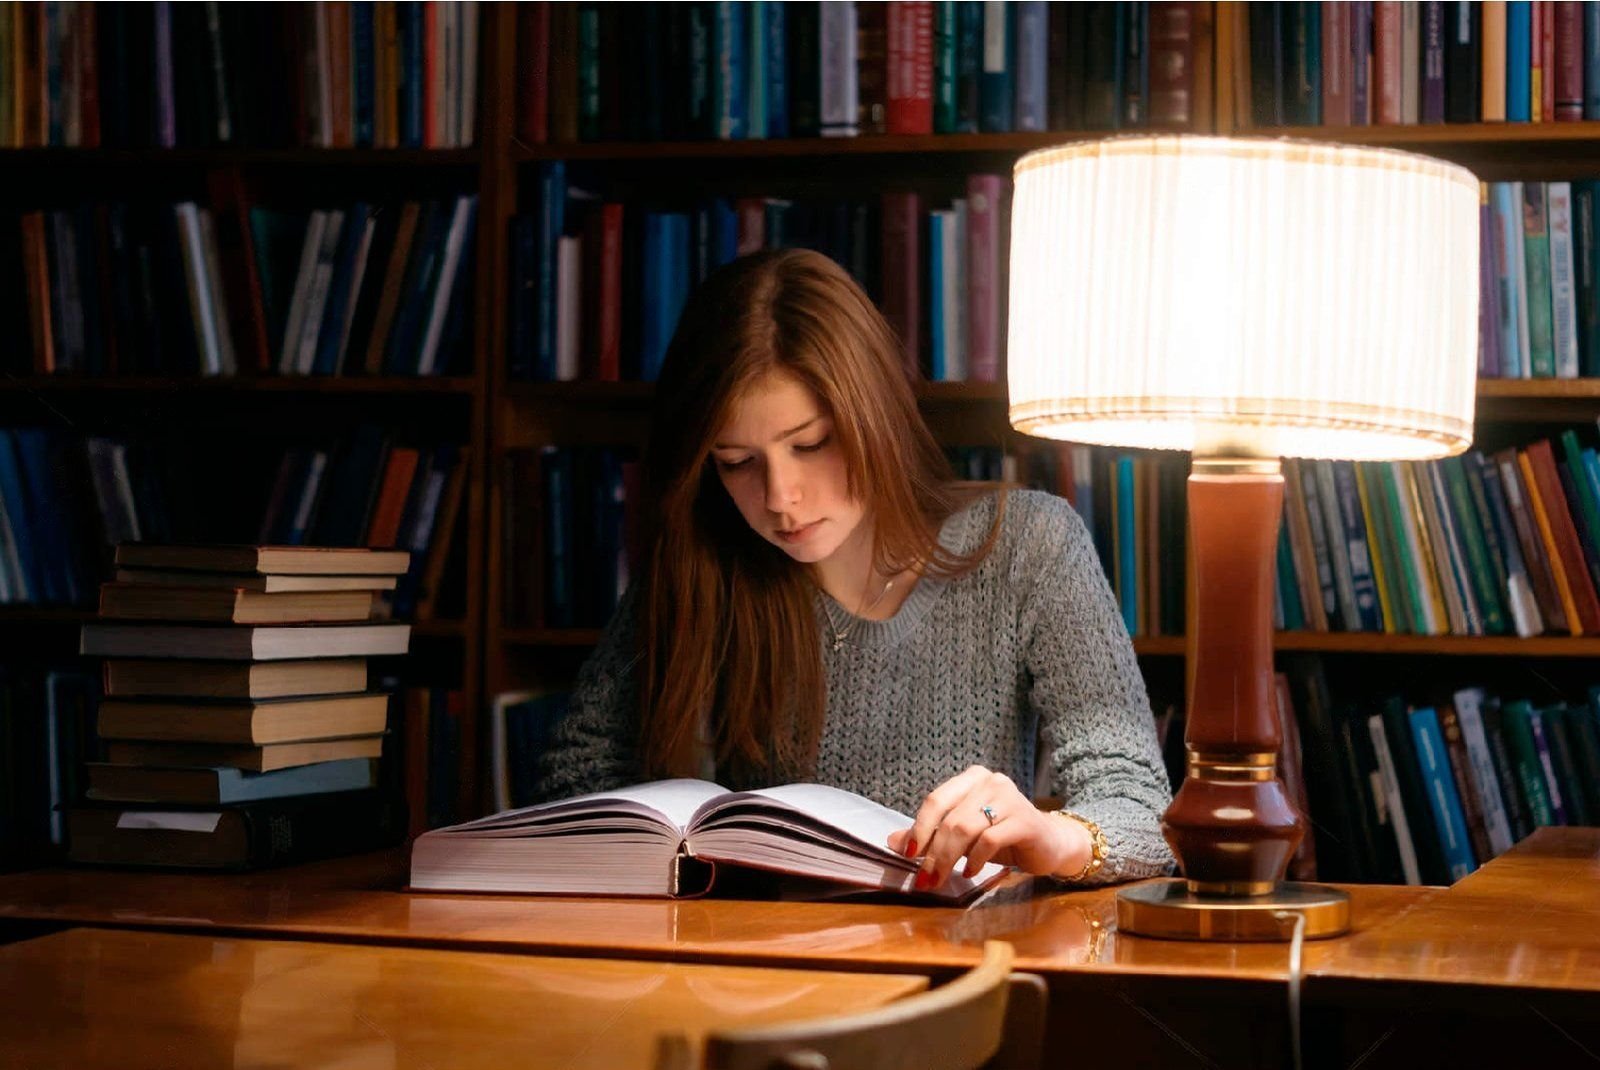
(1354, 64)
(1423, 790)
(228, 289)
(770, 69)
(599, 284)
(1539, 313)
(65, 501)
(570, 531)
(1471, 545)
(384, 74)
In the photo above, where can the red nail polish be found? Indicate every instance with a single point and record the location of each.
(924, 879)
(911, 848)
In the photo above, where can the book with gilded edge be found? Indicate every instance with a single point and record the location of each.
(666, 838)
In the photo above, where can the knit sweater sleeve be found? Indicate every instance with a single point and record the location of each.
(1095, 723)
(594, 748)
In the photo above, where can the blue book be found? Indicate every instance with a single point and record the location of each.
(1294, 619)
(1519, 75)
(1032, 52)
(47, 513)
(1127, 550)
(755, 67)
(944, 67)
(555, 465)
(363, 71)
(1506, 205)
(969, 66)
(222, 785)
(775, 29)
(730, 49)
(408, 17)
(666, 257)
(332, 335)
(1439, 785)
(1591, 64)
(938, 344)
(996, 89)
(551, 212)
(20, 517)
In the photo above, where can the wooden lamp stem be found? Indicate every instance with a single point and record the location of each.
(1231, 825)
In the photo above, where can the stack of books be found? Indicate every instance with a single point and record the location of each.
(237, 723)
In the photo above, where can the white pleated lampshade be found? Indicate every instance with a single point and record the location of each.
(1244, 297)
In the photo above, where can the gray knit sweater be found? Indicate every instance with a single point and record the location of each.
(1029, 649)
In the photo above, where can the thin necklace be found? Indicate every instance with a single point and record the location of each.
(842, 634)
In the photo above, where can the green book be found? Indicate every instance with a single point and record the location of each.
(1580, 482)
(1485, 584)
(1518, 723)
(1536, 259)
(1397, 619)
(1411, 591)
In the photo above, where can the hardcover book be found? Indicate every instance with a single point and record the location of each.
(666, 838)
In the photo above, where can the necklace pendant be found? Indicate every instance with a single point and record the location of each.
(838, 643)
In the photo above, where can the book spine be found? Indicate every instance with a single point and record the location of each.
(840, 94)
(1031, 53)
(1432, 106)
(944, 67)
(997, 90)
(1530, 771)
(911, 68)
(1395, 807)
(1441, 793)
(1563, 288)
(1497, 824)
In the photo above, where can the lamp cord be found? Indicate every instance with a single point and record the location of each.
(1296, 943)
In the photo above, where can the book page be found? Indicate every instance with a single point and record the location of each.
(670, 802)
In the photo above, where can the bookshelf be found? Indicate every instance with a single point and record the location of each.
(494, 415)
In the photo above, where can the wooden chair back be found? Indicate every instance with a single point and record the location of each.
(987, 1017)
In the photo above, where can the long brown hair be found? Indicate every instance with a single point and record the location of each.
(730, 641)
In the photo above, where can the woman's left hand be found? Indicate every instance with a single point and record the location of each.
(952, 822)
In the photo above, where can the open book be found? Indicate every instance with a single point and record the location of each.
(666, 838)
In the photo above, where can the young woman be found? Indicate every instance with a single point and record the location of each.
(821, 601)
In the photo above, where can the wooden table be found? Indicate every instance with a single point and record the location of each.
(126, 1000)
(1509, 956)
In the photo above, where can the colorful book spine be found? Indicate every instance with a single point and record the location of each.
(1469, 713)
(1439, 785)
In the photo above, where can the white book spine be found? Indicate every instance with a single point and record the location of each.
(290, 347)
(1563, 284)
(1469, 713)
(202, 308)
(317, 293)
(569, 306)
(455, 238)
(1391, 794)
(840, 91)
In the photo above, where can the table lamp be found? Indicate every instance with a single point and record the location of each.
(1245, 300)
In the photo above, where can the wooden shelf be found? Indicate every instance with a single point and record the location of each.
(768, 148)
(1494, 151)
(1544, 646)
(237, 157)
(224, 384)
(608, 393)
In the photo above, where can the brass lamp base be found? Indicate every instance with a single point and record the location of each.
(1169, 910)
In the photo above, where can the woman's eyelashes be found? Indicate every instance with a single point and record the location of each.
(733, 464)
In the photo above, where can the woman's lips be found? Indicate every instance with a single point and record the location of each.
(800, 533)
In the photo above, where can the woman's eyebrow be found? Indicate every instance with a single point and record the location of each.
(781, 436)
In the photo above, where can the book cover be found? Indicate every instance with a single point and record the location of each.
(1438, 785)
(1469, 704)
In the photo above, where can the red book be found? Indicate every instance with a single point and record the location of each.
(752, 212)
(240, 269)
(1171, 64)
(902, 273)
(911, 68)
(1336, 64)
(1569, 63)
(603, 250)
(36, 271)
(337, 12)
(87, 39)
(397, 475)
(985, 332)
(533, 72)
(1547, 480)
(432, 77)
(1545, 42)
(1387, 68)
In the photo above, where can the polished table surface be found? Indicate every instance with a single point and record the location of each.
(124, 999)
(1529, 919)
